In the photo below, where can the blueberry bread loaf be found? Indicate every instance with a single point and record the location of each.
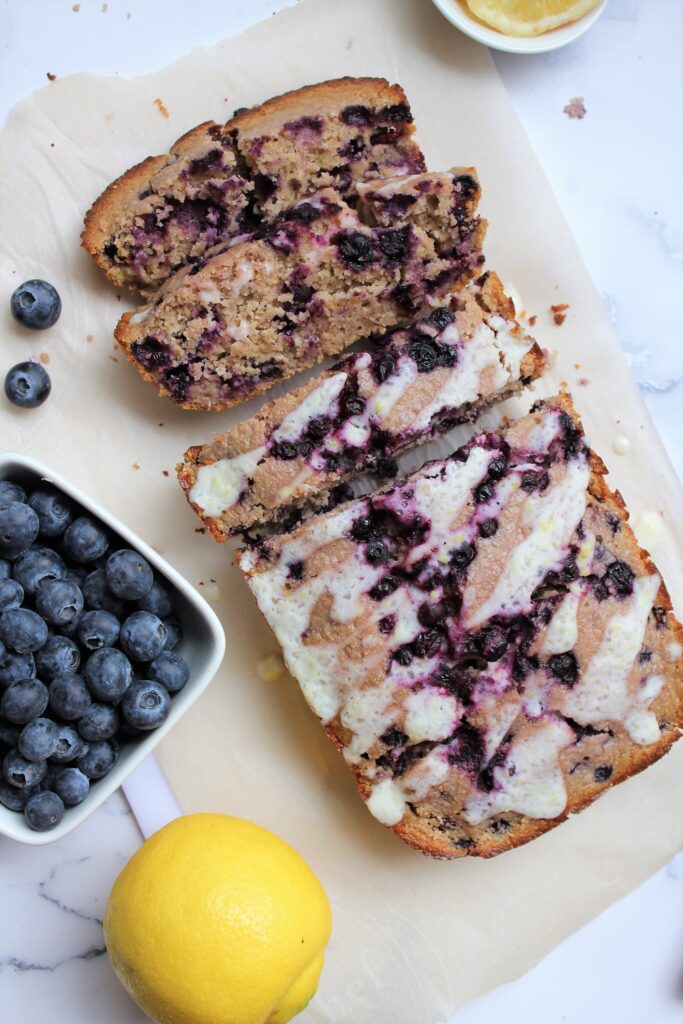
(417, 383)
(219, 181)
(484, 641)
(313, 282)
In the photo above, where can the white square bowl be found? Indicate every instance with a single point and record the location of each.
(202, 647)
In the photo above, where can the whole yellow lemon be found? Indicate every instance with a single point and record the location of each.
(217, 921)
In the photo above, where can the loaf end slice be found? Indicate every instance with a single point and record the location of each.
(484, 641)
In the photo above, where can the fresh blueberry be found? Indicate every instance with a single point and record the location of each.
(129, 576)
(59, 602)
(9, 734)
(11, 595)
(69, 696)
(170, 669)
(23, 701)
(174, 632)
(5, 568)
(18, 529)
(15, 799)
(51, 775)
(59, 655)
(38, 739)
(53, 511)
(98, 629)
(157, 600)
(36, 304)
(70, 629)
(44, 811)
(72, 786)
(35, 566)
(146, 704)
(85, 541)
(20, 772)
(100, 722)
(143, 636)
(10, 491)
(69, 746)
(108, 674)
(27, 385)
(14, 667)
(98, 596)
(99, 759)
(22, 630)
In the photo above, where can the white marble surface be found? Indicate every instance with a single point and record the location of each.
(617, 174)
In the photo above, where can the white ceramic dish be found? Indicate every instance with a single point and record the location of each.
(202, 647)
(457, 12)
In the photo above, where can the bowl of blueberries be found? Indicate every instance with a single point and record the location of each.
(103, 646)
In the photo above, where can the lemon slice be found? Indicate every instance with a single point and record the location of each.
(529, 17)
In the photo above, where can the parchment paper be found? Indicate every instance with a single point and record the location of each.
(413, 938)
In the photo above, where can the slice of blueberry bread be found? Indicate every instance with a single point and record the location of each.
(484, 641)
(313, 282)
(218, 181)
(415, 384)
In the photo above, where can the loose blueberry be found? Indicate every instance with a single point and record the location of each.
(22, 630)
(5, 568)
(72, 786)
(99, 759)
(146, 704)
(98, 629)
(59, 602)
(20, 772)
(44, 811)
(85, 540)
(59, 655)
(18, 529)
(170, 670)
(14, 667)
(15, 799)
(174, 632)
(108, 674)
(143, 636)
(35, 566)
(98, 596)
(27, 385)
(129, 575)
(157, 600)
(69, 745)
(38, 739)
(23, 701)
(53, 511)
(36, 304)
(69, 697)
(11, 595)
(100, 722)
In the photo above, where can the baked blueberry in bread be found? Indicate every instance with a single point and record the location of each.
(415, 384)
(308, 285)
(484, 641)
(219, 181)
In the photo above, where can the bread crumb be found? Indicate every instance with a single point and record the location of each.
(270, 668)
(161, 108)
(76, 8)
(105, 8)
(577, 366)
(532, 319)
(165, 472)
(136, 465)
(559, 315)
(212, 592)
(161, 424)
(200, 529)
(89, 338)
(51, 76)
(113, 359)
(584, 381)
(576, 108)
(45, 358)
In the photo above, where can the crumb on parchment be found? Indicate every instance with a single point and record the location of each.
(200, 529)
(76, 8)
(136, 465)
(89, 338)
(558, 311)
(51, 76)
(159, 104)
(532, 319)
(165, 472)
(583, 381)
(576, 108)
(45, 358)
